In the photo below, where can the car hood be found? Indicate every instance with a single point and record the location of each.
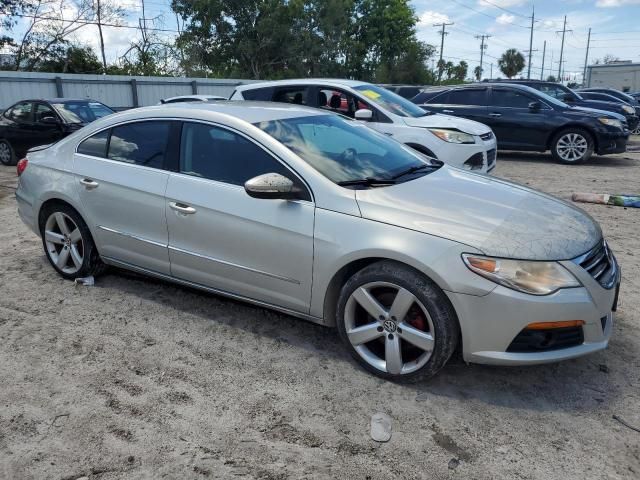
(447, 121)
(595, 113)
(499, 218)
(600, 105)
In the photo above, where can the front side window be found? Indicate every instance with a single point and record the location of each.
(340, 102)
(510, 98)
(347, 151)
(140, 143)
(390, 101)
(296, 95)
(225, 156)
(43, 111)
(82, 111)
(95, 145)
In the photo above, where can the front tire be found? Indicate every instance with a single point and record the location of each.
(396, 323)
(572, 146)
(7, 156)
(68, 244)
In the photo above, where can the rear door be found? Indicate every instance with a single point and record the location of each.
(221, 237)
(514, 123)
(121, 184)
(18, 130)
(469, 103)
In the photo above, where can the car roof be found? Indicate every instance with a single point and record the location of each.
(337, 82)
(249, 111)
(60, 100)
(197, 96)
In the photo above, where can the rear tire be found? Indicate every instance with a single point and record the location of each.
(396, 323)
(572, 146)
(68, 244)
(7, 156)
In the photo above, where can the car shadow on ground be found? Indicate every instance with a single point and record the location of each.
(571, 385)
(537, 157)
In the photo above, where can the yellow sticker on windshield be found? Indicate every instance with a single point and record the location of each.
(370, 94)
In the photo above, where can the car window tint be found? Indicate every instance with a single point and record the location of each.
(95, 145)
(42, 111)
(142, 143)
(553, 91)
(296, 95)
(224, 156)
(21, 112)
(180, 100)
(258, 94)
(467, 96)
(510, 98)
(340, 102)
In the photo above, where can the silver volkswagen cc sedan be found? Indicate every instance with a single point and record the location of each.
(320, 217)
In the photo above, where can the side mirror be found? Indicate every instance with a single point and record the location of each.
(271, 186)
(49, 120)
(364, 114)
(535, 106)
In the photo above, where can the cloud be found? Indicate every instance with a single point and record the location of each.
(430, 17)
(505, 19)
(615, 3)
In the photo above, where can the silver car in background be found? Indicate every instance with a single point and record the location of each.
(318, 216)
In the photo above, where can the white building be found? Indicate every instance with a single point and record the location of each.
(623, 76)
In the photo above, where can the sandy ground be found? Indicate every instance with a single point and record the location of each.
(135, 378)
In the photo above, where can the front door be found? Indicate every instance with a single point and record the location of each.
(121, 184)
(221, 237)
(514, 123)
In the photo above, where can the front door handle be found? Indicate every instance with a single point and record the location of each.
(495, 115)
(89, 184)
(448, 111)
(182, 208)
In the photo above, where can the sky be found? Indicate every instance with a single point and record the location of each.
(615, 30)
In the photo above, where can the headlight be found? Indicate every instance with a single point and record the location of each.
(536, 278)
(628, 109)
(452, 136)
(612, 122)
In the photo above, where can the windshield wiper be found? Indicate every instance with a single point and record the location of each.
(368, 182)
(415, 168)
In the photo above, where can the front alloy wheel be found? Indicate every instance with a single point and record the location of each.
(396, 322)
(573, 146)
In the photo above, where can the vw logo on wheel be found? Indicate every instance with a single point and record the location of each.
(389, 326)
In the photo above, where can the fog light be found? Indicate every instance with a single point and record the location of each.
(550, 325)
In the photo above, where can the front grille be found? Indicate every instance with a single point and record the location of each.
(528, 341)
(475, 162)
(491, 157)
(601, 265)
(486, 136)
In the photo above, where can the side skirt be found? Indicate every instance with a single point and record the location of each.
(215, 291)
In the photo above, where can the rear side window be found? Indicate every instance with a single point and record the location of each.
(95, 145)
(224, 156)
(141, 143)
(296, 95)
(21, 112)
(467, 96)
(262, 94)
(510, 98)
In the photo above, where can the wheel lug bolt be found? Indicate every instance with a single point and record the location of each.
(381, 317)
(393, 318)
(399, 330)
(380, 329)
(390, 336)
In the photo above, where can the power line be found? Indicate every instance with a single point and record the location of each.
(505, 9)
(485, 14)
(88, 22)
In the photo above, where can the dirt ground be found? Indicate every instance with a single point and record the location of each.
(135, 378)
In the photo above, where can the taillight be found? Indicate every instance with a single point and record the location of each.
(22, 166)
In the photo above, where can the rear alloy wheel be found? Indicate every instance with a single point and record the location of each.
(6, 153)
(572, 146)
(68, 243)
(636, 131)
(396, 323)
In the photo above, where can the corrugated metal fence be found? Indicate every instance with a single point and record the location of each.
(117, 91)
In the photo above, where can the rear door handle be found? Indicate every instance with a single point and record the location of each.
(448, 111)
(89, 184)
(496, 115)
(182, 208)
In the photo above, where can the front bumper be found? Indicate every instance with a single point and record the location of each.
(609, 143)
(490, 323)
(479, 157)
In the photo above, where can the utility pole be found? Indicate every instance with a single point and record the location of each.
(544, 51)
(443, 33)
(491, 65)
(564, 30)
(586, 59)
(482, 48)
(533, 16)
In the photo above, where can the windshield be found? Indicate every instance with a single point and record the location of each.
(550, 99)
(82, 112)
(345, 151)
(390, 101)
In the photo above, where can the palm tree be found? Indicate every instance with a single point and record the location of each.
(511, 62)
(477, 72)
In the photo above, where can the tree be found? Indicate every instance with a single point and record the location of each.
(511, 62)
(72, 59)
(608, 58)
(477, 73)
(105, 11)
(551, 78)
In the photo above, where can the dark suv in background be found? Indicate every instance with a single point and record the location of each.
(575, 99)
(523, 118)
